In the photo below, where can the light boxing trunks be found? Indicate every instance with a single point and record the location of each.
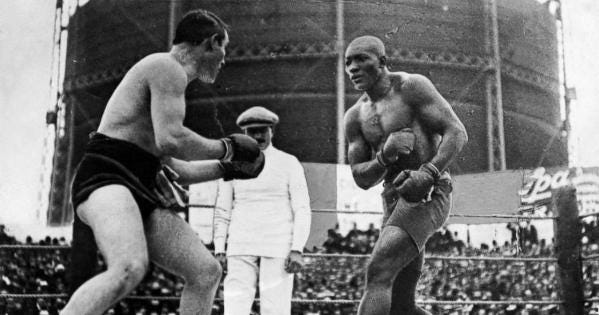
(419, 219)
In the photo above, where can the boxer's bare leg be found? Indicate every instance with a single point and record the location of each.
(173, 245)
(403, 300)
(114, 217)
(392, 252)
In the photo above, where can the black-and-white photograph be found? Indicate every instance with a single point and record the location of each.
(314, 157)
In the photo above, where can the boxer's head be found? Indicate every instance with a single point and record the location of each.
(365, 61)
(204, 37)
(258, 123)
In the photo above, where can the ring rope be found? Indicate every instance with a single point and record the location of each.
(458, 215)
(347, 211)
(439, 257)
(503, 216)
(48, 247)
(332, 255)
(496, 216)
(33, 296)
(590, 257)
(590, 214)
(302, 301)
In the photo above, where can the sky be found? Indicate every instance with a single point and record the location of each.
(26, 28)
(25, 71)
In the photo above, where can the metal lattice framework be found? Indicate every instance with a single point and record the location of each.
(264, 53)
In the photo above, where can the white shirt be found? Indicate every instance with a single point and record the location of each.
(269, 215)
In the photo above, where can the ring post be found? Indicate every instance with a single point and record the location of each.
(568, 235)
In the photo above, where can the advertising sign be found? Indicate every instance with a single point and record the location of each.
(536, 192)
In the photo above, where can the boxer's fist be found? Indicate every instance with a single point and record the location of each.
(398, 143)
(240, 147)
(242, 169)
(414, 186)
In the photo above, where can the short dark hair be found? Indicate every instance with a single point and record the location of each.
(197, 25)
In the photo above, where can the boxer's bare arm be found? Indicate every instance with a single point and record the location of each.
(193, 172)
(437, 116)
(367, 172)
(167, 82)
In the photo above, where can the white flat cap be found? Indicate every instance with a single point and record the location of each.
(257, 116)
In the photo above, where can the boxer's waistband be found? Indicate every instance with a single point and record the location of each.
(140, 162)
(390, 191)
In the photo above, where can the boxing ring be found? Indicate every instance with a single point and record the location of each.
(568, 261)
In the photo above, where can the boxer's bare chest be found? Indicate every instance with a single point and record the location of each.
(382, 117)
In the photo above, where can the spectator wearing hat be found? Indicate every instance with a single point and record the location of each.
(265, 223)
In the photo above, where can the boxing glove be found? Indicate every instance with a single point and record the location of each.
(240, 147)
(398, 143)
(415, 186)
(242, 169)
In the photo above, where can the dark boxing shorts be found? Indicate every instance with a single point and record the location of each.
(108, 161)
(419, 219)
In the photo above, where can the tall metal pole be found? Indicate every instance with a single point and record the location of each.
(498, 89)
(495, 130)
(173, 15)
(567, 97)
(69, 119)
(45, 196)
(489, 88)
(340, 84)
(70, 133)
(58, 202)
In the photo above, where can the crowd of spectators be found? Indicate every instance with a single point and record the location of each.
(27, 271)
(454, 280)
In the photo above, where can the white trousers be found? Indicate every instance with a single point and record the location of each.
(244, 272)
